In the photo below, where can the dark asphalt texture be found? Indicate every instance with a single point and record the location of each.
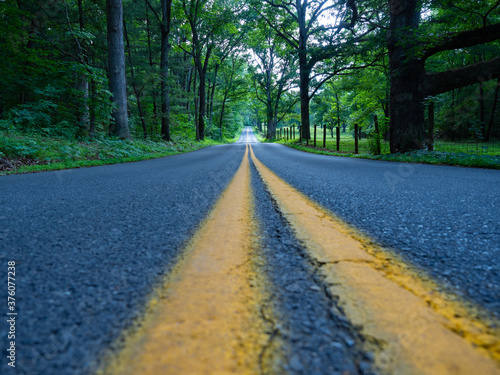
(443, 219)
(318, 339)
(90, 244)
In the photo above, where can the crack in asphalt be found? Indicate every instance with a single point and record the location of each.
(318, 338)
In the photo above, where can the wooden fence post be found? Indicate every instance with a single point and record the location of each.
(356, 135)
(338, 138)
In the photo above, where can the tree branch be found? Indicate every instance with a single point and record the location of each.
(154, 11)
(282, 6)
(318, 12)
(286, 111)
(438, 83)
(465, 39)
(288, 38)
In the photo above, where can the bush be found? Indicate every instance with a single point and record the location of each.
(13, 149)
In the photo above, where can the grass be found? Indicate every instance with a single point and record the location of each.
(347, 144)
(447, 153)
(22, 153)
(468, 147)
(424, 157)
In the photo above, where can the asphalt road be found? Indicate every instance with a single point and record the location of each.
(90, 244)
(443, 219)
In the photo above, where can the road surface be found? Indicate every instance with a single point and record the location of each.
(96, 251)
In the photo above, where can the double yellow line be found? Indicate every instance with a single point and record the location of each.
(206, 318)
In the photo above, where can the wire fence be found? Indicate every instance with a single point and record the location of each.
(470, 147)
(347, 143)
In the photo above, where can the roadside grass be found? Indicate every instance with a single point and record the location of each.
(347, 144)
(421, 156)
(261, 137)
(22, 153)
(465, 154)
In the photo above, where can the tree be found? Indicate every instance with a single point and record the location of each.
(311, 41)
(272, 73)
(116, 61)
(165, 22)
(411, 84)
(234, 87)
(207, 21)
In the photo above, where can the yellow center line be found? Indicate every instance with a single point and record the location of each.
(407, 335)
(206, 319)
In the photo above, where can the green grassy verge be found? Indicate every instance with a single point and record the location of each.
(458, 147)
(20, 153)
(425, 157)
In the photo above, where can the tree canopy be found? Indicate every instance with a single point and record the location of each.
(164, 69)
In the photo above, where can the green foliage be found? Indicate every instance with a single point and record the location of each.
(52, 53)
(12, 148)
(375, 139)
(46, 153)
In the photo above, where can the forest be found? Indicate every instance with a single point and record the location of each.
(173, 70)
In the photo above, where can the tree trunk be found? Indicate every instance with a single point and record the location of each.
(406, 100)
(165, 95)
(154, 123)
(271, 128)
(84, 115)
(409, 82)
(202, 107)
(304, 96)
(137, 92)
(92, 121)
(212, 94)
(196, 110)
(165, 50)
(492, 116)
(83, 84)
(116, 62)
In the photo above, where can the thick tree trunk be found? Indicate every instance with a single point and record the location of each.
(406, 100)
(438, 83)
(202, 108)
(196, 108)
(305, 73)
(271, 126)
(116, 62)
